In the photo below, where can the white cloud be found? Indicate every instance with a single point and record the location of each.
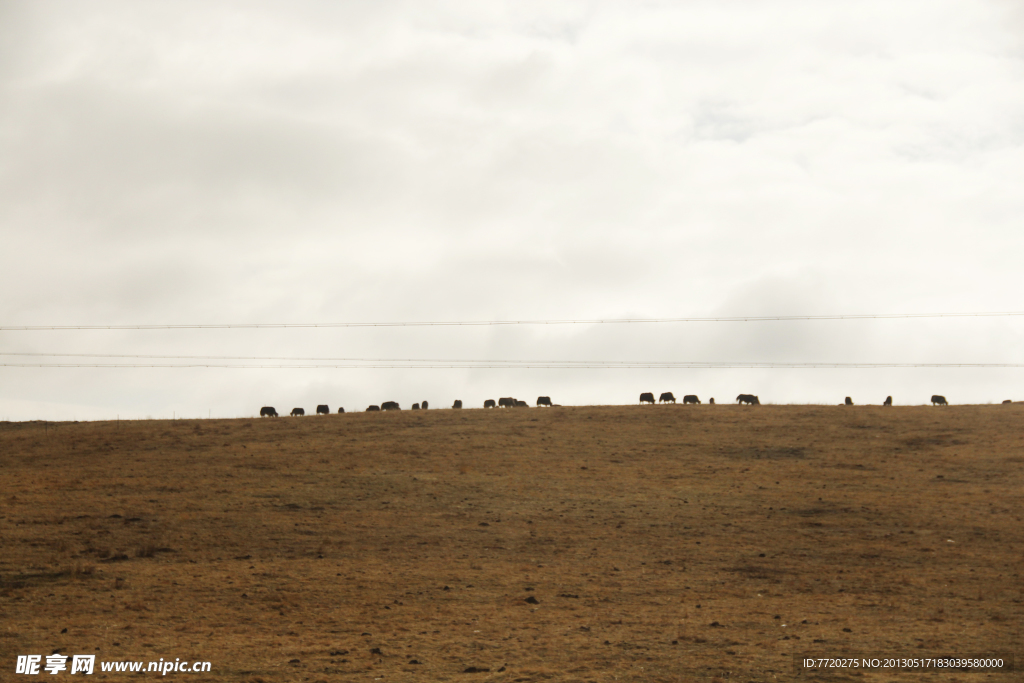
(342, 161)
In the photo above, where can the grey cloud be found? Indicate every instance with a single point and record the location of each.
(409, 161)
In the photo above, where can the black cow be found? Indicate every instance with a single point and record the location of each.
(389, 405)
(543, 401)
(415, 406)
(888, 401)
(424, 405)
(848, 401)
(298, 411)
(667, 397)
(340, 411)
(647, 397)
(939, 400)
(373, 409)
(322, 409)
(458, 404)
(748, 399)
(489, 403)
(520, 404)
(506, 402)
(268, 411)
(1007, 401)
(690, 398)
(711, 401)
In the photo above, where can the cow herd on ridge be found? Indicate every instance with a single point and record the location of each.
(545, 401)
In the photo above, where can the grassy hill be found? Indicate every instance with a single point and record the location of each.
(654, 543)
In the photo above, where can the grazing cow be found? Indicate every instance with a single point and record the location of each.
(506, 402)
(690, 398)
(543, 401)
(424, 405)
(341, 411)
(268, 411)
(373, 409)
(711, 401)
(520, 404)
(888, 401)
(848, 401)
(939, 400)
(667, 397)
(1007, 401)
(458, 404)
(489, 403)
(322, 409)
(389, 405)
(298, 411)
(647, 397)
(415, 406)
(748, 399)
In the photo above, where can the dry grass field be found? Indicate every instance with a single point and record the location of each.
(654, 543)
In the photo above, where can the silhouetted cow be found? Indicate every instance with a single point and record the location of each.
(268, 411)
(748, 399)
(389, 405)
(415, 406)
(1007, 401)
(373, 409)
(888, 401)
(848, 401)
(322, 409)
(667, 397)
(711, 401)
(939, 400)
(489, 403)
(543, 401)
(520, 404)
(647, 397)
(458, 404)
(506, 402)
(690, 398)
(298, 411)
(424, 405)
(341, 411)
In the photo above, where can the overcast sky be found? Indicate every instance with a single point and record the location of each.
(245, 162)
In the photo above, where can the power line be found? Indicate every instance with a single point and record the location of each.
(333, 362)
(291, 358)
(564, 365)
(471, 323)
(466, 361)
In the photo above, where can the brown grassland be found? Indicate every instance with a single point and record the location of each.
(626, 543)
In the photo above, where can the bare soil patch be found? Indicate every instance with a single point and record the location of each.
(645, 543)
